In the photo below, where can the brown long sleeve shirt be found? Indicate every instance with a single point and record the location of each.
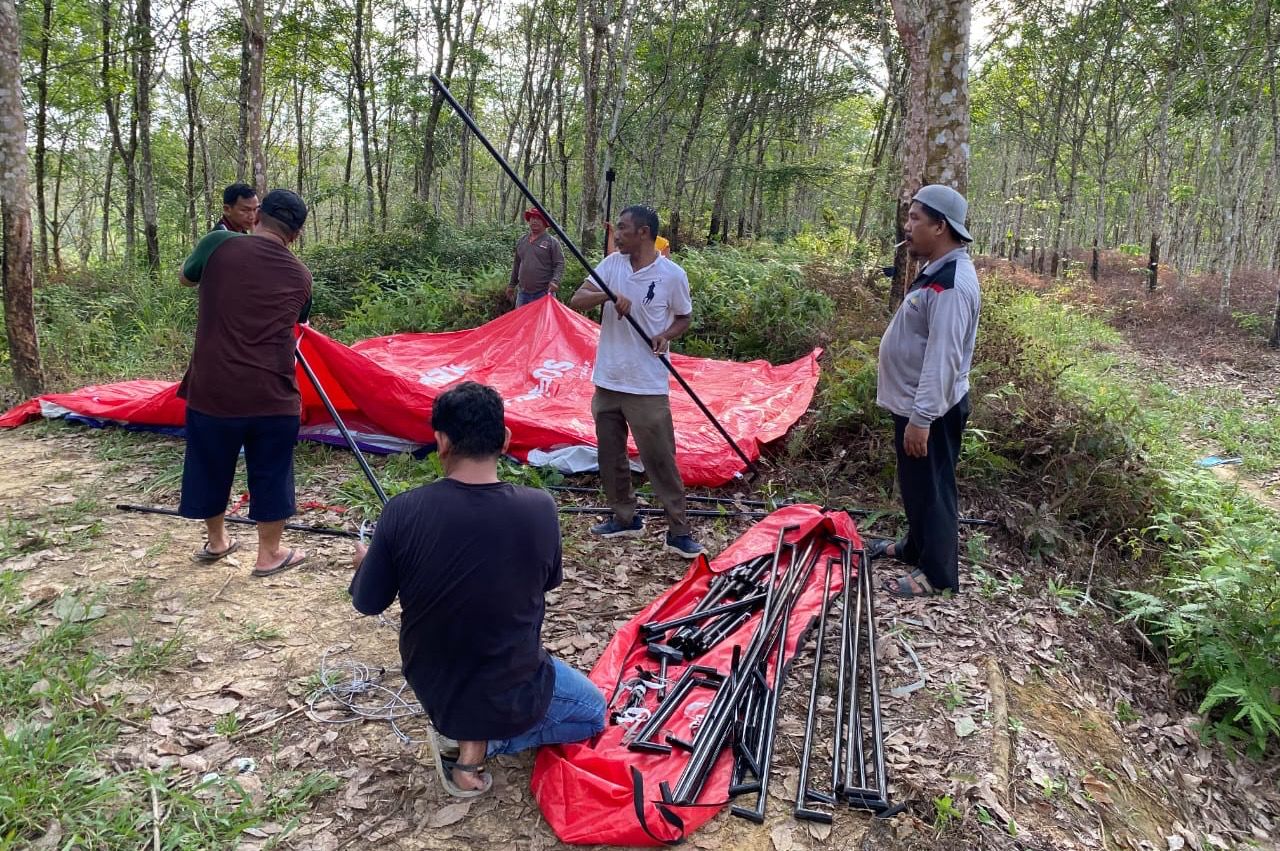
(538, 264)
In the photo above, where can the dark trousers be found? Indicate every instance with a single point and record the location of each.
(928, 486)
(649, 421)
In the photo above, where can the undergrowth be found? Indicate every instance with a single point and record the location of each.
(1213, 602)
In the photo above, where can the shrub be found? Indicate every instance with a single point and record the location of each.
(419, 240)
(747, 307)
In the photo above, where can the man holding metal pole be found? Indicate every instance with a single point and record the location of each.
(923, 381)
(240, 388)
(631, 381)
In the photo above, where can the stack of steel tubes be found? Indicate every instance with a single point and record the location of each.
(741, 703)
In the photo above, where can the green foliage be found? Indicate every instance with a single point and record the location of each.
(428, 298)
(349, 275)
(1107, 446)
(113, 324)
(945, 813)
(749, 307)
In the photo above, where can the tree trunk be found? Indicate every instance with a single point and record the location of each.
(346, 171)
(361, 84)
(15, 213)
(42, 131)
(935, 35)
(189, 96)
(258, 50)
(589, 207)
(106, 203)
(464, 135)
(111, 104)
(447, 17)
(1161, 193)
(145, 42)
(299, 127)
(55, 218)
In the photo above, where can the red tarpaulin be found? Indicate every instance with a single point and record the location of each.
(586, 790)
(538, 357)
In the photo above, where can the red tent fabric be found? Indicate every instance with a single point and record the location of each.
(585, 790)
(538, 357)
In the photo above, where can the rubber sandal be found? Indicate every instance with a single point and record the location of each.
(449, 748)
(456, 791)
(879, 548)
(901, 588)
(445, 766)
(287, 564)
(205, 556)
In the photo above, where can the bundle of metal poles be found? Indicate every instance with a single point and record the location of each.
(742, 701)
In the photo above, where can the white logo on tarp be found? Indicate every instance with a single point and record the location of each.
(443, 375)
(547, 374)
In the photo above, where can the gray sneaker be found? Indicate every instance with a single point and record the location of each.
(611, 528)
(683, 545)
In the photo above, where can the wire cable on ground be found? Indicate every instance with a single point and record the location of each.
(351, 691)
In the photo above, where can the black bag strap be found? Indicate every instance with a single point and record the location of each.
(637, 783)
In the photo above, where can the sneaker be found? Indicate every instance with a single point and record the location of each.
(611, 528)
(684, 546)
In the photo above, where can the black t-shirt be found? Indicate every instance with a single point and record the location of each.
(471, 564)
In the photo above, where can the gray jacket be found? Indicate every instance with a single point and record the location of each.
(927, 350)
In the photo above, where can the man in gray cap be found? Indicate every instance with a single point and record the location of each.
(925, 356)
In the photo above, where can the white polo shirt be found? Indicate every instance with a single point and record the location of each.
(659, 293)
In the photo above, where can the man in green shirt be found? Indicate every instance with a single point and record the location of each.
(240, 387)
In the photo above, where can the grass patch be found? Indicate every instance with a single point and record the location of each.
(55, 745)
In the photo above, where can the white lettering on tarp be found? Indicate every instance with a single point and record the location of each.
(442, 375)
(547, 374)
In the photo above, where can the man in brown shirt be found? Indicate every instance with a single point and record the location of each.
(240, 387)
(539, 262)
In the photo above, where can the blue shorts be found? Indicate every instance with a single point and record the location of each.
(209, 467)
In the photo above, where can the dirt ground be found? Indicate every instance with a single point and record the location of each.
(1032, 706)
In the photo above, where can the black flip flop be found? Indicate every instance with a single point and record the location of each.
(902, 589)
(206, 556)
(287, 564)
(879, 548)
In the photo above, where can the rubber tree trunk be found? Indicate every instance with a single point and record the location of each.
(935, 35)
(15, 213)
(146, 48)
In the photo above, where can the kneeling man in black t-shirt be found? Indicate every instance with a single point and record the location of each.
(471, 558)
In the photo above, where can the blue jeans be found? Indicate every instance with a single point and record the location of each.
(576, 713)
(523, 298)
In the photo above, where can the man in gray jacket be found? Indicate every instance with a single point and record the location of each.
(925, 356)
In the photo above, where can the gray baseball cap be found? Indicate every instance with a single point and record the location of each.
(949, 203)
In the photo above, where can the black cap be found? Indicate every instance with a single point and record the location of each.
(285, 207)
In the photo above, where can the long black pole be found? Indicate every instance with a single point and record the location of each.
(578, 255)
(337, 420)
(231, 518)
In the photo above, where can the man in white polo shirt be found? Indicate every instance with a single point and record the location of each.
(631, 380)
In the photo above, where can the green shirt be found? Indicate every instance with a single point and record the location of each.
(193, 267)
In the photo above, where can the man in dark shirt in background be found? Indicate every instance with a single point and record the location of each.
(239, 209)
(539, 262)
(240, 387)
(471, 558)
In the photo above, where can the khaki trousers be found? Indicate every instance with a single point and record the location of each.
(649, 420)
